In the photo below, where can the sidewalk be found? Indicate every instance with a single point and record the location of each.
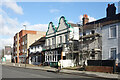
(66, 71)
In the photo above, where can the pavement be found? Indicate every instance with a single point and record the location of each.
(66, 71)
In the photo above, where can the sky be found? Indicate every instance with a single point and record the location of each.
(37, 15)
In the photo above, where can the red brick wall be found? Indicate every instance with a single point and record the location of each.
(21, 34)
(99, 69)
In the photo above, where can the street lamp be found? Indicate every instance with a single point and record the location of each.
(24, 52)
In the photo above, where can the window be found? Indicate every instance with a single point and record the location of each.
(23, 50)
(113, 53)
(113, 31)
(48, 42)
(60, 39)
(23, 43)
(66, 38)
(53, 41)
(16, 39)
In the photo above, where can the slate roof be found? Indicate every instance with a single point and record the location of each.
(102, 22)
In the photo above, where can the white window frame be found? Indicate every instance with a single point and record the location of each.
(110, 52)
(66, 38)
(48, 42)
(61, 39)
(53, 41)
(114, 25)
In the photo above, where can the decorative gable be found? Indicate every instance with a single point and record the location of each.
(51, 29)
(63, 24)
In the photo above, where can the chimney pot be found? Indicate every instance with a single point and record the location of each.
(85, 19)
(111, 10)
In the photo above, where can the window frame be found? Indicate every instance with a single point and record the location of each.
(110, 52)
(60, 39)
(110, 27)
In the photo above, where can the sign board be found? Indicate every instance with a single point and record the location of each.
(76, 33)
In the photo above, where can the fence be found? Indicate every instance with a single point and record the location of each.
(110, 63)
(101, 65)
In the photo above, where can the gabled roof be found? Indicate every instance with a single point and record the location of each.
(64, 21)
(70, 25)
(54, 29)
(38, 42)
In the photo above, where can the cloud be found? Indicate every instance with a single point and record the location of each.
(9, 26)
(54, 11)
(37, 27)
(6, 42)
(13, 5)
(70, 21)
(90, 18)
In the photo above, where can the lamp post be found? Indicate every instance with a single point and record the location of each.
(25, 50)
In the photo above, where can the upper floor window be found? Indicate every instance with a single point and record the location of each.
(66, 37)
(23, 43)
(53, 41)
(48, 42)
(113, 31)
(60, 39)
(16, 39)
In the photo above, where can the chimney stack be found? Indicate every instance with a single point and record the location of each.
(85, 19)
(111, 10)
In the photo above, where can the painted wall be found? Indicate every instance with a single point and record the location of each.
(108, 43)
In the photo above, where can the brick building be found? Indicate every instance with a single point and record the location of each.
(18, 42)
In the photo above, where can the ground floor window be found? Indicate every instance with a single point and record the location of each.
(113, 53)
(52, 56)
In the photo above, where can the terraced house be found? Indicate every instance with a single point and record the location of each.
(58, 41)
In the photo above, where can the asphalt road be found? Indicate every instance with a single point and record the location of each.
(15, 72)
